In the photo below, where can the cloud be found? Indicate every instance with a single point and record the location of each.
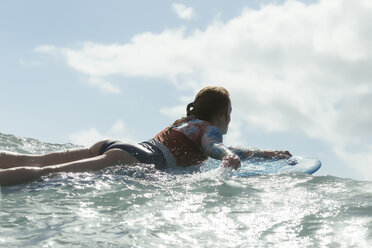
(30, 63)
(292, 66)
(183, 12)
(174, 112)
(46, 49)
(91, 135)
(234, 135)
(104, 85)
(86, 137)
(94, 80)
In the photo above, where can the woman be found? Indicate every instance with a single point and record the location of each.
(189, 141)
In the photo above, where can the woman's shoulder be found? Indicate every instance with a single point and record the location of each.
(194, 127)
(212, 132)
(202, 127)
(201, 124)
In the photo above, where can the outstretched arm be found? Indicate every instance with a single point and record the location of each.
(213, 147)
(245, 153)
(221, 152)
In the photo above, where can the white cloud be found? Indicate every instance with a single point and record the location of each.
(29, 63)
(234, 135)
(183, 12)
(118, 128)
(86, 137)
(175, 112)
(45, 49)
(91, 135)
(289, 66)
(104, 85)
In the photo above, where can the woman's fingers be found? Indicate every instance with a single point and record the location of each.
(232, 161)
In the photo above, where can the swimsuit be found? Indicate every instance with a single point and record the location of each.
(148, 152)
(189, 142)
(183, 145)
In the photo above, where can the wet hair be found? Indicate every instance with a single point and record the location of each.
(209, 102)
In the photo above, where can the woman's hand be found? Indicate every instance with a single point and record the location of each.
(232, 161)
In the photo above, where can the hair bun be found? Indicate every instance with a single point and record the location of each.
(190, 111)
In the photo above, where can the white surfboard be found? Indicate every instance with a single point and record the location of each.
(276, 166)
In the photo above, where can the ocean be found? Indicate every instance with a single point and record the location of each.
(140, 206)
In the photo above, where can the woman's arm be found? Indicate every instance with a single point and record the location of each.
(213, 147)
(245, 153)
(221, 152)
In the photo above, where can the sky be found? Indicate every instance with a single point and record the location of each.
(298, 72)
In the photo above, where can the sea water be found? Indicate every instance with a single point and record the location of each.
(140, 206)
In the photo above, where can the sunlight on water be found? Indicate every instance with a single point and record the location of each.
(197, 207)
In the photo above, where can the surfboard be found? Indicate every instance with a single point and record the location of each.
(294, 164)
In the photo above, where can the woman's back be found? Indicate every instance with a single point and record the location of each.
(189, 141)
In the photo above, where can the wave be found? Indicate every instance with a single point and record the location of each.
(143, 207)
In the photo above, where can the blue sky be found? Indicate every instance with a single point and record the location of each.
(81, 71)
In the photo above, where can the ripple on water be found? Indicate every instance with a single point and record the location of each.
(197, 207)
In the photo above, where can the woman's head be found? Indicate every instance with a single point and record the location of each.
(212, 104)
